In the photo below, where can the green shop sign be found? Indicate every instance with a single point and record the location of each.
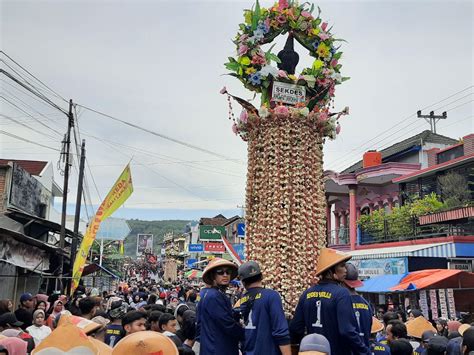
(211, 232)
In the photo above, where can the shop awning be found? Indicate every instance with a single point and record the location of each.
(91, 268)
(435, 278)
(434, 250)
(381, 284)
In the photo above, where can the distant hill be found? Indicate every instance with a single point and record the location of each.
(157, 228)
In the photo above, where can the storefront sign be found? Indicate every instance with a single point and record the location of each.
(464, 265)
(375, 267)
(451, 305)
(288, 93)
(214, 247)
(191, 262)
(433, 304)
(241, 230)
(211, 232)
(195, 248)
(424, 304)
(442, 303)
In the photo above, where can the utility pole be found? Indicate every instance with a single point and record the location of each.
(62, 236)
(432, 119)
(77, 214)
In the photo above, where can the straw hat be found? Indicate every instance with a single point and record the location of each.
(377, 326)
(416, 327)
(217, 263)
(144, 343)
(103, 349)
(463, 327)
(329, 258)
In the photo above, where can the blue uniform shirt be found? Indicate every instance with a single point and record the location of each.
(267, 327)
(326, 309)
(363, 313)
(379, 349)
(218, 332)
(419, 350)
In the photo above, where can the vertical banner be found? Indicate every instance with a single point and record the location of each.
(433, 305)
(442, 303)
(119, 193)
(144, 244)
(451, 304)
(424, 303)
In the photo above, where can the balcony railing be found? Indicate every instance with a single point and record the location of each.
(342, 233)
(410, 229)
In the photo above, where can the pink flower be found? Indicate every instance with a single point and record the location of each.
(282, 4)
(243, 49)
(324, 25)
(282, 74)
(223, 90)
(267, 22)
(257, 59)
(334, 63)
(338, 128)
(306, 14)
(243, 38)
(323, 35)
(281, 110)
(323, 116)
(234, 128)
(281, 19)
(244, 116)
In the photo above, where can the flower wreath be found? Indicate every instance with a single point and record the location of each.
(253, 68)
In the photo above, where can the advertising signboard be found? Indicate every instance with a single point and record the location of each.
(288, 93)
(451, 305)
(195, 248)
(442, 303)
(374, 267)
(241, 230)
(424, 303)
(144, 244)
(239, 249)
(433, 304)
(191, 262)
(211, 232)
(214, 247)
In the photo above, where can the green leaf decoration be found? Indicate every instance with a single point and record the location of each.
(234, 66)
(345, 78)
(337, 55)
(256, 16)
(273, 57)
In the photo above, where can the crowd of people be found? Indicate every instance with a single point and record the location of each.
(223, 317)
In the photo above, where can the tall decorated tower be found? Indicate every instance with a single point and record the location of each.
(285, 197)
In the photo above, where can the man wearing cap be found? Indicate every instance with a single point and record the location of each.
(362, 309)
(266, 329)
(24, 313)
(326, 308)
(219, 332)
(314, 344)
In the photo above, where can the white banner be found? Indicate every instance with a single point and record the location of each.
(424, 303)
(433, 304)
(442, 303)
(451, 304)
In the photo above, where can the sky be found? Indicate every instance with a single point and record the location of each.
(159, 65)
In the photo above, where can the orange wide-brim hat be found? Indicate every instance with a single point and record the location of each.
(377, 326)
(145, 343)
(416, 327)
(102, 348)
(329, 258)
(215, 264)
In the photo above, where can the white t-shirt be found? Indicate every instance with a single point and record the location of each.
(38, 333)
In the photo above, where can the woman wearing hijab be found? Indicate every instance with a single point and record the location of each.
(57, 308)
(13, 346)
(38, 330)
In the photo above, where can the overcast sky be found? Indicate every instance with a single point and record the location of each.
(159, 65)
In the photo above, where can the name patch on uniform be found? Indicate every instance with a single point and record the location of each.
(360, 306)
(246, 298)
(319, 294)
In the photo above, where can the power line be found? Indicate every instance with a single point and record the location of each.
(27, 140)
(188, 145)
(26, 126)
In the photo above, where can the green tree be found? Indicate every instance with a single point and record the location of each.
(454, 190)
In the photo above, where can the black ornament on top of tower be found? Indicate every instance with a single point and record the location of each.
(289, 58)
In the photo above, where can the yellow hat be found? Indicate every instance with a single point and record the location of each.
(217, 263)
(377, 326)
(416, 327)
(329, 258)
(463, 328)
(145, 343)
(103, 348)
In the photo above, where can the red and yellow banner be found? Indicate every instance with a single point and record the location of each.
(119, 193)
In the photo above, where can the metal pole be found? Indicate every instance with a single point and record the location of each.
(101, 251)
(65, 191)
(77, 214)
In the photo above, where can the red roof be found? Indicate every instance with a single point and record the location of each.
(34, 167)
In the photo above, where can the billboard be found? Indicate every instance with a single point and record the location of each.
(211, 232)
(241, 230)
(214, 247)
(144, 244)
(195, 248)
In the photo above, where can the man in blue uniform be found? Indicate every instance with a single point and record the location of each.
(266, 329)
(219, 332)
(375, 347)
(362, 309)
(326, 308)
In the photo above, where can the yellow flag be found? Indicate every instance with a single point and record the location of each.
(122, 249)
(119, 193)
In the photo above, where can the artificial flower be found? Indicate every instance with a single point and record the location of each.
(315, 31)
(323, 116)
(324, 25)
(281, 19)
(304, 111)
(306, 14)
(258, 59)
(255, 79)
(248, 17)
(244, 116)
(304, 26)
(338, 128)
(223, 90)
(292, 77)
(323, 50)
(258, 34)
(318, 64)
(263, 112)
(250, 70)
(333, 63)
(244, 60)
(243, 49)
(263, 27)
(234, 128)
(281, 110)
(323, 35)
(282, 74)
(269, 70)
(316, 43)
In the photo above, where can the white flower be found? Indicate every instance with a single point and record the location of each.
(263, 112)
(337, 77)
(268, 69)
(304, 111)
